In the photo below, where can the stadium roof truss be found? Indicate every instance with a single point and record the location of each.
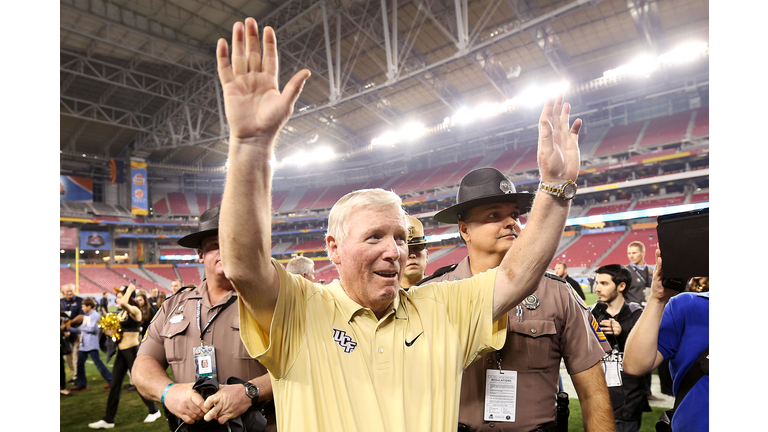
(138, 78)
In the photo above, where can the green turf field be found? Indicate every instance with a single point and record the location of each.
(89, 406)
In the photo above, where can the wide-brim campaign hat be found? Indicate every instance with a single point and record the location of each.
(483, 186)
(415, 232)
(209, 226)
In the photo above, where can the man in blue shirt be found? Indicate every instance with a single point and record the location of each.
(674, 328)
(89, 345)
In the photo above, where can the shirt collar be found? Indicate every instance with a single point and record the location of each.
(350, 307)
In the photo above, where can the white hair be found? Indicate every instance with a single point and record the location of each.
(300, 265)
(338, 218)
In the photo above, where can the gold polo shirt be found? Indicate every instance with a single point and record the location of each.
(335, 367)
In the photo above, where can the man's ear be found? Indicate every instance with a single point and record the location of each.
(621, 287)
(200, 255)
(333, 249)
(464, 231)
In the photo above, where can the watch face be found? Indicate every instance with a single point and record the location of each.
(251, 390)
(569, 190)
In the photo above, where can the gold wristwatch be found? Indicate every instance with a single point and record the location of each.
(566, 191)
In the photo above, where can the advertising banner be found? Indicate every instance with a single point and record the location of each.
(116, 171)
(75, 188)
(139, 199)
(94, 240)
(67, 238)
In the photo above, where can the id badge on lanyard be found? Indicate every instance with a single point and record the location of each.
(205, 355)
(612, 368)
(500, 394)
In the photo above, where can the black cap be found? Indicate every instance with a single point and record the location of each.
(484, 186)
(209, 226)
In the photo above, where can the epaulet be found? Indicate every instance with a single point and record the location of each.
(555, 277)
(439, 272)
(634, 306)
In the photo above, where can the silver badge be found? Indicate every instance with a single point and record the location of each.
(531, 302)
(505, 186)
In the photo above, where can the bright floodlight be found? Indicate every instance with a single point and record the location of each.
(411, 131)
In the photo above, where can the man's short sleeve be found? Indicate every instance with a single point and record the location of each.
(469, 305)
(276, 347)
(153, 344)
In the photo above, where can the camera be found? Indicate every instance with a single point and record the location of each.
(684, 244)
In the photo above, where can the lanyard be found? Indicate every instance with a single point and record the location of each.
(202, 331)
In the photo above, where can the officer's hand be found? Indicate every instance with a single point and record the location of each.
(227, 403)
(610, 326)
(185, 403)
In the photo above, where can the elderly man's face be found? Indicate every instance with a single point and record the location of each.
(372, 257)
(69, 293)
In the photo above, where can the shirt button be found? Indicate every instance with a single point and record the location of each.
(533, 331)
(381, 351)
(492, 424)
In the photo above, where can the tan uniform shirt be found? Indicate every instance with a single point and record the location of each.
(336, 367)
(170, 340)
(561, 326)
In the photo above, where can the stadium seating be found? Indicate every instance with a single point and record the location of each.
(160, 206)
(468, 166)
(653, 202)
(333, 193)
(453, 256)
(310, 245)
(619, 139)
(178, 204)
(507, 160)
(133, 272)
(190, 274)
(103, 277)
(666, 129)
(586, 249)
(701, 123)
(440, 174)
(527, 162)
(619, 255)
(163, 273)
(699, 197)
(67, 276)
(615, 207)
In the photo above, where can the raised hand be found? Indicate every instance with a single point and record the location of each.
(254, 106)
(558, 153)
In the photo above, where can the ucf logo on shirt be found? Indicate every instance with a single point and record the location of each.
(344, 341)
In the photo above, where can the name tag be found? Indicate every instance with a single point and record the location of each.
(500, 395)
(612, 368)
(205, 361)
(176, 319)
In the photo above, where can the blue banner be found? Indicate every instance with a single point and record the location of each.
(75, 188)
(94, 240)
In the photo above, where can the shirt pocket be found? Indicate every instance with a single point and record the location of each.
(176, 343)
(238, 348)
(535, 338)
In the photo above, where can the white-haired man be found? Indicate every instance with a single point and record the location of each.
(361, 353)
(302, 266)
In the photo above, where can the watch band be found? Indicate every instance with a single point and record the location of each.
(565, 191)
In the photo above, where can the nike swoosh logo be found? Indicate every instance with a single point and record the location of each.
(414, 340)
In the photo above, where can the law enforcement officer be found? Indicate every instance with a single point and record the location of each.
(417, 254)
(551, 323)
(196, 326)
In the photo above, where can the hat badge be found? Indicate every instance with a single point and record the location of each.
(411, 232)
(505, 186)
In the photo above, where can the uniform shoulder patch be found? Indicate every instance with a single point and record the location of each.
(555, 277)
(596, 328)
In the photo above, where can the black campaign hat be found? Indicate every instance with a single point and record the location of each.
(209, 226)
(483, 186)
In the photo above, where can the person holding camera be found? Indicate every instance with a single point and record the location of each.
(676, 327)
(617, 316)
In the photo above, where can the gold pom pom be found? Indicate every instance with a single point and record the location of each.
(111, 325)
